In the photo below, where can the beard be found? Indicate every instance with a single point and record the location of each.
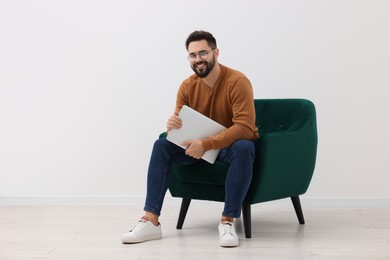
(203, 72)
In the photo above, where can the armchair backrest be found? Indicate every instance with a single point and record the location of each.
(277, 115)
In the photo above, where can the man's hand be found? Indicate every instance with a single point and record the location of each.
(174, 122)
(194, 148)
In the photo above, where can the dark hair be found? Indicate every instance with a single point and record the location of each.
(202, 35)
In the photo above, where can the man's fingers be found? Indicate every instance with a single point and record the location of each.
(186, 143)
(174, 122)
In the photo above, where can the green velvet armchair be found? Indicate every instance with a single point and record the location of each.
(284, 165)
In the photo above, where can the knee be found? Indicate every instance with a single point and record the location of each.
(160, 143)
(245, 148)
(165, 147)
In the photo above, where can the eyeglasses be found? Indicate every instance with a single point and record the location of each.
(202, 54)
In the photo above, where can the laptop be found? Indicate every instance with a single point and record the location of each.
(195, 126)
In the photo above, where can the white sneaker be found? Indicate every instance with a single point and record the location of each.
(143, 231)
(227, 234)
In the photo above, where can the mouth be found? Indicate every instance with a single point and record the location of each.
(200, 65)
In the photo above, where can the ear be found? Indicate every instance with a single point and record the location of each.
(216, 52)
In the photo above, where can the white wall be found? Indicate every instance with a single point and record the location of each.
(86, 86)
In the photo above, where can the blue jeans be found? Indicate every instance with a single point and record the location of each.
(239, 156)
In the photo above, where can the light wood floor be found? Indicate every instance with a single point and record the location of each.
(58, 232)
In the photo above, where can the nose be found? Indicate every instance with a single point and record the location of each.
(197, 57)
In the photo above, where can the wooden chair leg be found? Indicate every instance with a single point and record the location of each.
(246, 215)
(298, 209)
(185, 203)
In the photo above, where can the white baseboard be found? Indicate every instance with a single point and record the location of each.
(346, 202)
(139, 200)
(74, 200)
(64, 200)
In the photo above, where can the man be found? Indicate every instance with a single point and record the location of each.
(226, 96)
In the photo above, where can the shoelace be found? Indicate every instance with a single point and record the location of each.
(227, 226)
(140, 224)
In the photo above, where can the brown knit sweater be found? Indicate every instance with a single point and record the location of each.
(229, 102)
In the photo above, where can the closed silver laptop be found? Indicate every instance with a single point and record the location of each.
(195, 126)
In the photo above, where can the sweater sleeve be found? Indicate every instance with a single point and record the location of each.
(181, 97)
(243, 110)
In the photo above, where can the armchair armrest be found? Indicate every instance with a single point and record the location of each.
(284, 164)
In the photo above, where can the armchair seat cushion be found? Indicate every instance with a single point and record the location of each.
(202, 173)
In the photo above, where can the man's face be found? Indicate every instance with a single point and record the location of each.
(201, 65)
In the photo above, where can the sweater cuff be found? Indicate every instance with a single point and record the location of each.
(207, 144)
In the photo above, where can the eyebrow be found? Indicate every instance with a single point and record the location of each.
(193, 53)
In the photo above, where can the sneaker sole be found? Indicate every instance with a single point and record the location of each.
(128, 240)
(229, 244)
